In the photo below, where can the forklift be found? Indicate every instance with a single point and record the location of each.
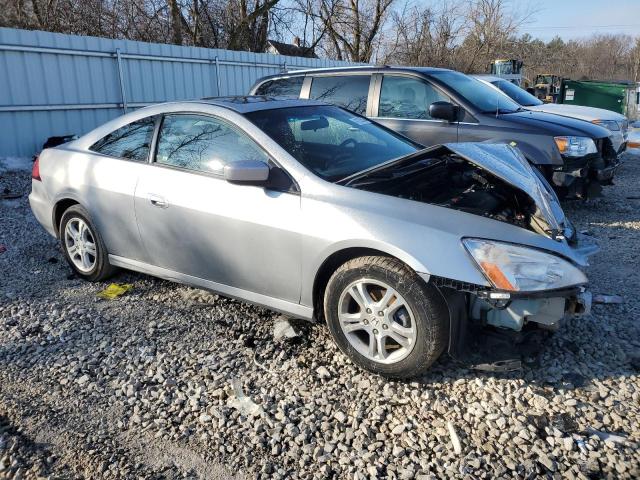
(546, 87)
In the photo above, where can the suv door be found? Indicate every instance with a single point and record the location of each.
(192, 221)
(403, 105)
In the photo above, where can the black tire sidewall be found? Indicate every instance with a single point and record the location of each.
(102, 268)
(426, 303)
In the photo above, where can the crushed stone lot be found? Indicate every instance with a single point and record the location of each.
(167, 381)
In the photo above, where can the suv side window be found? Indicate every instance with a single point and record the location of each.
(204, 144)
(281, 87)
(131, 141)
(407, 97)
(348, 91)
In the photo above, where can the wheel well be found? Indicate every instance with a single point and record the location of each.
(330, 265)
(59, 209)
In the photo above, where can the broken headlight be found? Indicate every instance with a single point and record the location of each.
(575, 146)
(518, 268)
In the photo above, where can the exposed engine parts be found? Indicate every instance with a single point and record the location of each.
(451, 181)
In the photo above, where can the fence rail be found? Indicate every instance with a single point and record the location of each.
(54, 84)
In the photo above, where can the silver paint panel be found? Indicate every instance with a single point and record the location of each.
(279, 305)
(239, 235)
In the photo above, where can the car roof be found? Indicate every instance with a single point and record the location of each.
(252, 103)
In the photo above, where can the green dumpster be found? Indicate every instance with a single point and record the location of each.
(619, 97)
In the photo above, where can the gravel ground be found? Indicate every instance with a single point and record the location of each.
(153, 384)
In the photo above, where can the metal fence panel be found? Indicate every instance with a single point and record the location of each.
(55, 84)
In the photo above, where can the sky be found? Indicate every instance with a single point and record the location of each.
(580, 18)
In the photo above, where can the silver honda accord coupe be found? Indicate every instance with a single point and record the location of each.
(319, 213)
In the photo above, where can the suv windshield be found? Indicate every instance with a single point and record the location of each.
(331, 142)
(516, 93)
(479, 94)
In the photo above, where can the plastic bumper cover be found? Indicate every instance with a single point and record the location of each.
(41, 207)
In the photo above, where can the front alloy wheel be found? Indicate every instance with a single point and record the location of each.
(377, 321)
(384, 317)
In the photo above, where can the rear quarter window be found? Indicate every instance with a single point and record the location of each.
(131, 142)
(348, 91)
(281, 87)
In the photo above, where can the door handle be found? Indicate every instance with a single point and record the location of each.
(158, 201)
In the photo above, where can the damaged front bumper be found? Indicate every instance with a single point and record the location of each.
(546, 309)
(493, 330)
(584, 177)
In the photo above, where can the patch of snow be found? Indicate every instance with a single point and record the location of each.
(15, 164)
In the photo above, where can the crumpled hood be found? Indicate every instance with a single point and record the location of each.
(505, 162)
(508, 164)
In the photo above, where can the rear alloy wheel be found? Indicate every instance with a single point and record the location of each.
(82, 245)
(385, 318)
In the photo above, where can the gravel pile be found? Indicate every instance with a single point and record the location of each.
(172, 382)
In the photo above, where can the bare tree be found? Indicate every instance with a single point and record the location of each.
(176, 22)
(491, 28)
(460, 34)
(426, 36)
(353, 27)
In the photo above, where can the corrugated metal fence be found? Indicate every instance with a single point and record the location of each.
(54, 84)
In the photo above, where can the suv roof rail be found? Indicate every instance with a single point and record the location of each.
(322, 69)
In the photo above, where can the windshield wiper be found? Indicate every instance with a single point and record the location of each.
(371, 178)
(501, 111)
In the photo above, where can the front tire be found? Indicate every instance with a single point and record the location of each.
(82, 245)
(385, 318)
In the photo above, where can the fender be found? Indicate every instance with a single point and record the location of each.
(64, 196)
(316, 265)
(535, 155)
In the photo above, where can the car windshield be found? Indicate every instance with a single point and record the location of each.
(479, 94)
(331, 142)
(516, 93)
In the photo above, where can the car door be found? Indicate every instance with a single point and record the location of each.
(109, 177)
(192, 221)
(403, 105)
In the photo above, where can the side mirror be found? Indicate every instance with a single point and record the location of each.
(252, 172)
(443, 111)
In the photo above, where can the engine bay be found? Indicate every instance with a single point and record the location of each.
(452, 182)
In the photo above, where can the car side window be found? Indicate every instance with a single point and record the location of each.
(131, 141)
(203, 144)
(407, 97)
(348, 91)
(281, 87)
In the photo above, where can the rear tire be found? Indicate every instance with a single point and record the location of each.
(82, 245)
(385, 318)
